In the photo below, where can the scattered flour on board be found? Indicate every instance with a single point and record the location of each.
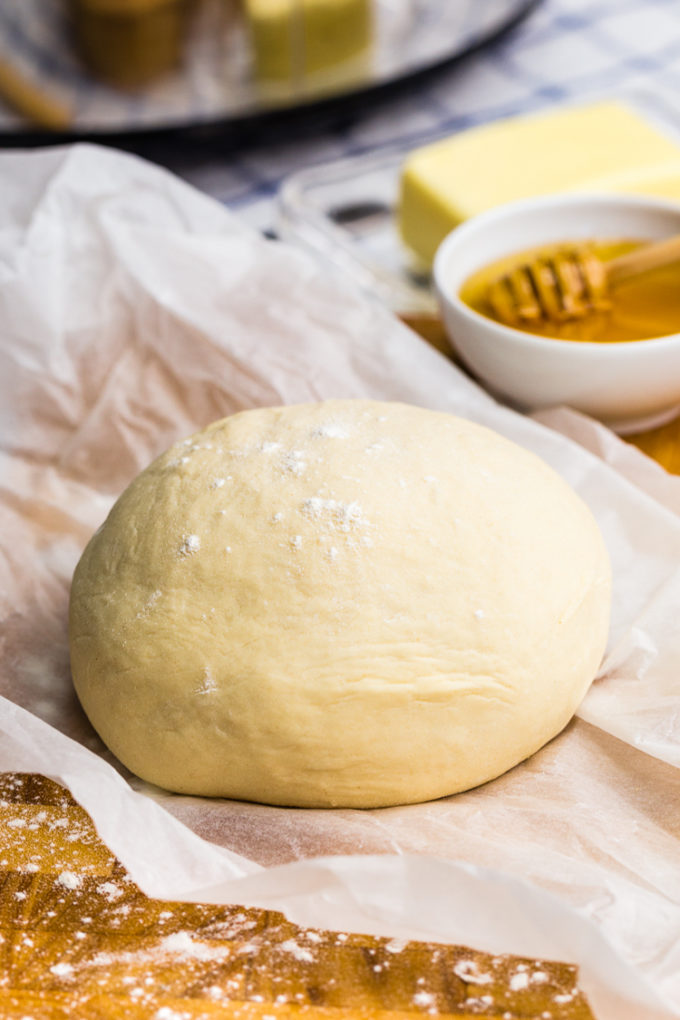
(296, 950)
(111, 890)
(61, 969)
(468, 971)
(69, 880)
(181, 943)
(423, 999)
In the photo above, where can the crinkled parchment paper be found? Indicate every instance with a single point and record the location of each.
(133, 310)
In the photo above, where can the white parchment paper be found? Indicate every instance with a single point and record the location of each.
(134, 310)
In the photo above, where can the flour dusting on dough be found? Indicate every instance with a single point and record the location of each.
(334, 514)
(331, 430)
(150, 603)
(294, 462)
(207, 684)
(190, 544)
(344, 574)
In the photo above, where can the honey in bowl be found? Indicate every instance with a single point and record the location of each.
(640, 308)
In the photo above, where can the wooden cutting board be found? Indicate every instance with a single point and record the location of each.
(79, 940)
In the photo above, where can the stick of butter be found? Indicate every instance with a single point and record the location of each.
(309, 46)
(602, 147)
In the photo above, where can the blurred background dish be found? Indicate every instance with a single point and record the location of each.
(136, 65)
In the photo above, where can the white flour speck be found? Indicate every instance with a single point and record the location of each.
(111, 890)
(519, 981)
(180, 943)
(479, 614)
(149, 604)
(294, 462)
(207, 684)
(298, 951)
(296, 541)
(331, 430)
(395, 945)
(423, 999)
(334, 514)
(477, 1001)
(217, 483)
(61, 969)
(69, 880)
(268, 447)
(467, 970)
(190, 544)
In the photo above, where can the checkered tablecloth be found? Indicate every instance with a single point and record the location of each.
(563, 50)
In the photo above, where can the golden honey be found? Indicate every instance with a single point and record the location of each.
(643, 307)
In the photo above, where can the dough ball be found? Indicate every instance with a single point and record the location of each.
(349, 603)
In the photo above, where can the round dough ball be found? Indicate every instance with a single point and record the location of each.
(349, 603)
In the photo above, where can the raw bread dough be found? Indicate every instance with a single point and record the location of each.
(350, 603)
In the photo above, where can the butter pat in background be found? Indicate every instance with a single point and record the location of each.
(304, 47)
(601, 147)
(130, 43)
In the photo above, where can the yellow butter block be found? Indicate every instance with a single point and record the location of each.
(602, 147)
(302, 46)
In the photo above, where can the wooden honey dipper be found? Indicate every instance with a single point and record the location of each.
(571, 283)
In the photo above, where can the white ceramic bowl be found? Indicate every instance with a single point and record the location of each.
(630, 386)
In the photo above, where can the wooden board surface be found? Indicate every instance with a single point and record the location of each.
(79, 939)
(662, 444)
